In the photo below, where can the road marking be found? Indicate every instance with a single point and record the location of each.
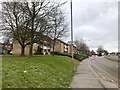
(103, 77)
(105, 74)
(96, 75)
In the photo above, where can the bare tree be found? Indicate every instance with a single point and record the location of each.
(100, 49)
(38, 12)
(81, 45)
(22, 21)
(14, 23)
(59, 25)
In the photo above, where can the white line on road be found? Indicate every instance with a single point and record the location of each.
(104, 75)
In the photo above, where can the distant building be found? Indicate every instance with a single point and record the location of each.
(5, 48)
(45, 47)
(1, 48)
(74, 47)
(61, 46)
(92, 52)
(41, 47)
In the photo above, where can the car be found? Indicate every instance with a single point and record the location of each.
(99, 54)
(108, 55)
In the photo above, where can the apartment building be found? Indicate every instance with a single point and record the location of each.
(5, 48)
(44, 47)
(41, 47)
(62, 47)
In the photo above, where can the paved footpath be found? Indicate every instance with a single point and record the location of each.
(86, 78)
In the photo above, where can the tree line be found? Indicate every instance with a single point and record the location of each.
(102, 50)
(26, 22)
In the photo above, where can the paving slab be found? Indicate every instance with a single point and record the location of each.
(84, 78)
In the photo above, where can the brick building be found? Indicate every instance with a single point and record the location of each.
(62, 47)
(44, 47)
(5, 48)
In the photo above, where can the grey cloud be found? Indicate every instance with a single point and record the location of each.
(97, 21)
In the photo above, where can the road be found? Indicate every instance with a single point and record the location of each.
(107, 67)
(96, 72)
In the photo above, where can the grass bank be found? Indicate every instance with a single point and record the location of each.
(37, 72)
(108, 58)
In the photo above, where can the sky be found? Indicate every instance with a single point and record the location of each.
(96, 22)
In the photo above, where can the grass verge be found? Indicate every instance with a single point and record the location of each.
(112, 59)
(37, 71)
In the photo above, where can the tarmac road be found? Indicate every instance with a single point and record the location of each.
(96, 72)
(109, 68)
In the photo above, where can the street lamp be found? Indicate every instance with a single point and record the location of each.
(72, 50)
(71, 31)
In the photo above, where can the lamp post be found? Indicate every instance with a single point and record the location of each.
(71, 31)
(72, 50)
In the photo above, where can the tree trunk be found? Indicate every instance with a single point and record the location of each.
(31, 47)
(32, 29)
(22, 50)
(43, 49)
(53, 47)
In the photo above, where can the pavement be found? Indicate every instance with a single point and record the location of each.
(87, 77)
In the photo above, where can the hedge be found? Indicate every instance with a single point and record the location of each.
(76, 56)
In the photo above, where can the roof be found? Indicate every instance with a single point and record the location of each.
(62, 41)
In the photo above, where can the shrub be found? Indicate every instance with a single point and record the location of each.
(80, 57)
(76, 56)
(62, 54)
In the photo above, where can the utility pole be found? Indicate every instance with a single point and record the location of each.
(71, 29)
(72, 50)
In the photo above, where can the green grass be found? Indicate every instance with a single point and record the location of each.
(112, 59)
(37, 72)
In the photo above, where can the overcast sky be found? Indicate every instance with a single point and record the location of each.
(95, 21)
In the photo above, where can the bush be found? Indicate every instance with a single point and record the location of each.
(62, 54)
(76, 56)
(80, 57)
